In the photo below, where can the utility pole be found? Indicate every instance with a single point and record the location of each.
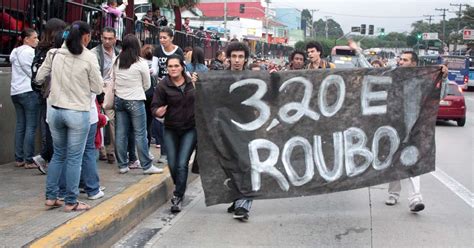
(225, 19)
(312, 22)
(266, 27)
(444, 22)
(430, 17)
(459, 20)
(327, 25)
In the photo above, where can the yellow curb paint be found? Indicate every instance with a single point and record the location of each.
(102, 215)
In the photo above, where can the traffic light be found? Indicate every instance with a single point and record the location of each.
(418, 36)
(362, 29)
(382, 31)
(371, 29)
(242, 8)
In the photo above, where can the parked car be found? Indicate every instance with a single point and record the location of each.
(453, 106)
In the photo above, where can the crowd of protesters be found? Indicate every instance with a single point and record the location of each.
(62, 81)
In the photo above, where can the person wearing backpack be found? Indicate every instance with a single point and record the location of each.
(51, 38)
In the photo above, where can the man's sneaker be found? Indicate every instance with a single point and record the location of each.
(241, 214)
(392, 200)
(176, 204)
(83, 191)
(416, 206)
(231, 209)
(163, 160)
(151, 155)
(124, 170)
(99, 195)
(41, 163)
(152, 170)
(135, 165)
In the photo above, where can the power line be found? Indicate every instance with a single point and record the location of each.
(365, 16)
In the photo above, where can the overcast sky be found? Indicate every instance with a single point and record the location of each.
(393, 15)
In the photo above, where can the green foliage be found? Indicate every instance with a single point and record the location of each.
(334, 28)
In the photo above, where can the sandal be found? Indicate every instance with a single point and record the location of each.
(55, 204)
(31, 166)
(78, 206)
(19, 163)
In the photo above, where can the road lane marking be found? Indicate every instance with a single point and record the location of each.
(454, 186)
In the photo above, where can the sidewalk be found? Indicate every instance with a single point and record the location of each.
(128, 199)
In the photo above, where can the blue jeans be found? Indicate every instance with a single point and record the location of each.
(179, 147)
(27, 110)
(69, 129)
(130, 119)
(89, 174)
(157, 130)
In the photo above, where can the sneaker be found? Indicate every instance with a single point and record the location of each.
(151, 155)
(241, 214)
(124, 170)
(163, 160)
(231, 209)
(135, 165)
(417, 206)
(110, 158)
(176, 204)
(99, 195)
(392, 200)
(41, 163)
(83, 191)
(152, 170)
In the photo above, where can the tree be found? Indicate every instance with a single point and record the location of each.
(305, 20)
(176, 5)
(334, 28)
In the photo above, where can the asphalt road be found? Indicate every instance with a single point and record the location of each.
(357, 218)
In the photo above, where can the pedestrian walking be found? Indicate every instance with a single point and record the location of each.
(415, 199)
(174, 101)
(25, 100)
(75, 75)
(160, 56)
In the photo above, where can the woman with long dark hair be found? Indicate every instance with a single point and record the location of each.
(174, 100)
(197, 61)
(25, 100)
(132, 79)
(75, 77)
(50, 38)
(160, 56)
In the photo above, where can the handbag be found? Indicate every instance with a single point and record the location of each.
(109, 90)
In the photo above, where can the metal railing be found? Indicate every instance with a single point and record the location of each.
(16, 15)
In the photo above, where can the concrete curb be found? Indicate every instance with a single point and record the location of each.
(106, 223)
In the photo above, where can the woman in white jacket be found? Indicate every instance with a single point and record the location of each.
(25, 100)
(75, 75)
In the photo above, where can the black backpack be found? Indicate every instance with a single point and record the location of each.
(40, 56)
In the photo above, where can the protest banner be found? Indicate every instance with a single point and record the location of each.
(300, 133)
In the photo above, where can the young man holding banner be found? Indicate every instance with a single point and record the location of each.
(410, 59)
(238, 54)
